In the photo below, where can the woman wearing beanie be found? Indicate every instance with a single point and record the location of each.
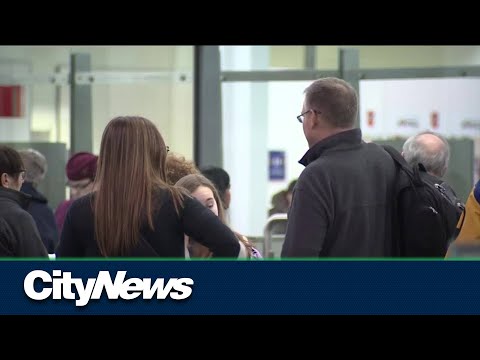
(80, 170)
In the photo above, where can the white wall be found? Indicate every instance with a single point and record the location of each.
(148, 100)
(181, 104)
(158, 101)
(455, 100)
(16, 128)
(285, 133)
(258, 118)
(245, 121)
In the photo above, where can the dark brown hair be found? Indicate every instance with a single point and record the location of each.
(131, 167)
(10, 162)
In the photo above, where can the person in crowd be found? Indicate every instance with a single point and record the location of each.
(80, 169)
(281, 202)
(289, 195)
(178, 166)
(342, 203)
(467, 241)
(133, 211)
(19, 236)
(205, 191)
(429, 152)
(432, 151)
(221, 179)
(36, 168)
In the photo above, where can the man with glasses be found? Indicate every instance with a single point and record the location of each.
(80, 169)
(342, 201)
(19, 236)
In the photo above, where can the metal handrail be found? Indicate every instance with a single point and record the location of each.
(267, 241)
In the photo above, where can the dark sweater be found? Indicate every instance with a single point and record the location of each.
(342, 202)
(43, 216)
(167, 240)
(19, 235)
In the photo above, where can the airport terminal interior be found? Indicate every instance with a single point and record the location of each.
(236, 107)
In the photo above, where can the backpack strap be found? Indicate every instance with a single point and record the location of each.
(400, 162)
(397, 157)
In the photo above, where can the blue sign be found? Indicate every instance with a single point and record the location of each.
(276, 165)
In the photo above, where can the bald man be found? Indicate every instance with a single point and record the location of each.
(431, 150)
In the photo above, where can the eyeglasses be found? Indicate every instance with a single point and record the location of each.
(22, 174)
(301, 117)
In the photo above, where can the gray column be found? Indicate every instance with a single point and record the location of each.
(58, 106)
(81, 138)
(348, 68)
(207, 107)
(310, 57)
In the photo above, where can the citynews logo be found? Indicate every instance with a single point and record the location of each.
(60, 284)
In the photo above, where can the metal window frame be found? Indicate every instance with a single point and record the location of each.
(207, 82)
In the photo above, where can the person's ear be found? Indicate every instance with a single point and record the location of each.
(4, 180)
(314, 120)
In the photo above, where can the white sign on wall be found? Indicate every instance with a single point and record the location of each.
(401, 108)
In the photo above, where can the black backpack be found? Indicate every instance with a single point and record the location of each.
(424, 218)
(457, 204)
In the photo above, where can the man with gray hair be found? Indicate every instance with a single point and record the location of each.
(36, 169)
(429, 149)
(431, 152)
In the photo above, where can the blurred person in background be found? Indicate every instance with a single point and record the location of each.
(36, 168)
(80, 169)
(221, 179)
(467, 241)
(178, 167)
(280, 204)
(281, 200)
(19, 236)
(430, 151)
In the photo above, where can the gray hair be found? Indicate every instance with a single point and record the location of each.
(335, 99)
(35, 165)
(415, 151)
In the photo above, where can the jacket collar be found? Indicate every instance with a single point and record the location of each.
(28, 188)
(15, 196)
(348, 137)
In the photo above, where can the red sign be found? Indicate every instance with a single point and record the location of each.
(371, 118)
(434, 122)
(11, 101)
